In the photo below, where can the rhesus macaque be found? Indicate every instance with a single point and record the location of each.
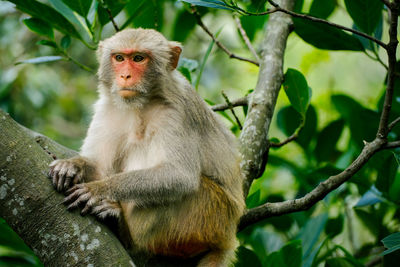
(156, 156)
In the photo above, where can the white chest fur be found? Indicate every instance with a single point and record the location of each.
(124, 140)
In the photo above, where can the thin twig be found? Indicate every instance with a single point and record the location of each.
(291, 138)
(391, 145)
(110, 16)
(277, 8)
(231, 108)
(235, 103)
(218, 43)
(393, 123)
(246, 39)
(391, 49)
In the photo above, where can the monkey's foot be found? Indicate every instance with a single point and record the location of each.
(64, 173)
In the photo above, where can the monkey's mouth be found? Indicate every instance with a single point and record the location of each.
(128, 93)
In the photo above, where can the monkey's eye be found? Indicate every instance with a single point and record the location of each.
(138, 58)
(119, 58)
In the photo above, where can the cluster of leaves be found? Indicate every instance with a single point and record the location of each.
(300, 239)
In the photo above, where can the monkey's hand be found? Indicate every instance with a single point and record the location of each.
(88, 196)
(67, 172)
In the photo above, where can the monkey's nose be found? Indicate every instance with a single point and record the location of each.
(126, 77)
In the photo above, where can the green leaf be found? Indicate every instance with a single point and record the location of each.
(334, 226)
(145, 14)
(115, 8)
(292, 254)
(184, 24)
(322, 8)
(309, 129)
(391, 242)
(47, 43)
(323, 36)
(48, 14)
(365, 13)
(40, 27)
(209, 3)
(362, 121)
(338, 262)
(246, 258)
(311, 233)
(253, 200)
(65, 42)
(252, 24)
(386, 173)
(327, 140)
(71, 16)
(297, 91)
(80, 6)
(371, 197)
(38, 60)
(204, 61)
(288, 120)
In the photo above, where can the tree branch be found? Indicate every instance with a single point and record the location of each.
(218, 43)
(393, 123)
(110, 16)
(230, 106)
(253, 139)
(280, 208)
(380, 142)
(246, 38)
(288, 140)
(33, 208)
(235, 103)
(391, 52)
(278, 8)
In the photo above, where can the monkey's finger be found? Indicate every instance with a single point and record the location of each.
(88, 207)
(67, 181)
(74, 188)
(83, 198)
(60, 183)
(74, 196)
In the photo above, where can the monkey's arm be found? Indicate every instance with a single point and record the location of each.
(177, 176)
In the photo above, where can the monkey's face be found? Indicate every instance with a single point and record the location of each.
(135, 63)
(129, 68)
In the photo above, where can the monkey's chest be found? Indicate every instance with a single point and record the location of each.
(142, 154)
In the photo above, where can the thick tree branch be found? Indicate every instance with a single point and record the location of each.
(33, 208)
(253, 139)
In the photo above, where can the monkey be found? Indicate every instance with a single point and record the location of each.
(156, 156)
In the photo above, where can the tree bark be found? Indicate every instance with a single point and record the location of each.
(35, 211)
(253, 139)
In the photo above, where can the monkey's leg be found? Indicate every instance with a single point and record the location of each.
(217, 258)
(67, 172)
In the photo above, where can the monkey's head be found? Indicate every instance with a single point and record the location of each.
(134, 61)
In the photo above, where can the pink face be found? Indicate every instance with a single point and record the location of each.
(129, 67)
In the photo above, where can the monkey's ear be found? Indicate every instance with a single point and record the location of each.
(176, 50)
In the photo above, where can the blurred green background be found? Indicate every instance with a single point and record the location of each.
(345, 229)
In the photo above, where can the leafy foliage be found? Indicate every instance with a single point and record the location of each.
(331, 124)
